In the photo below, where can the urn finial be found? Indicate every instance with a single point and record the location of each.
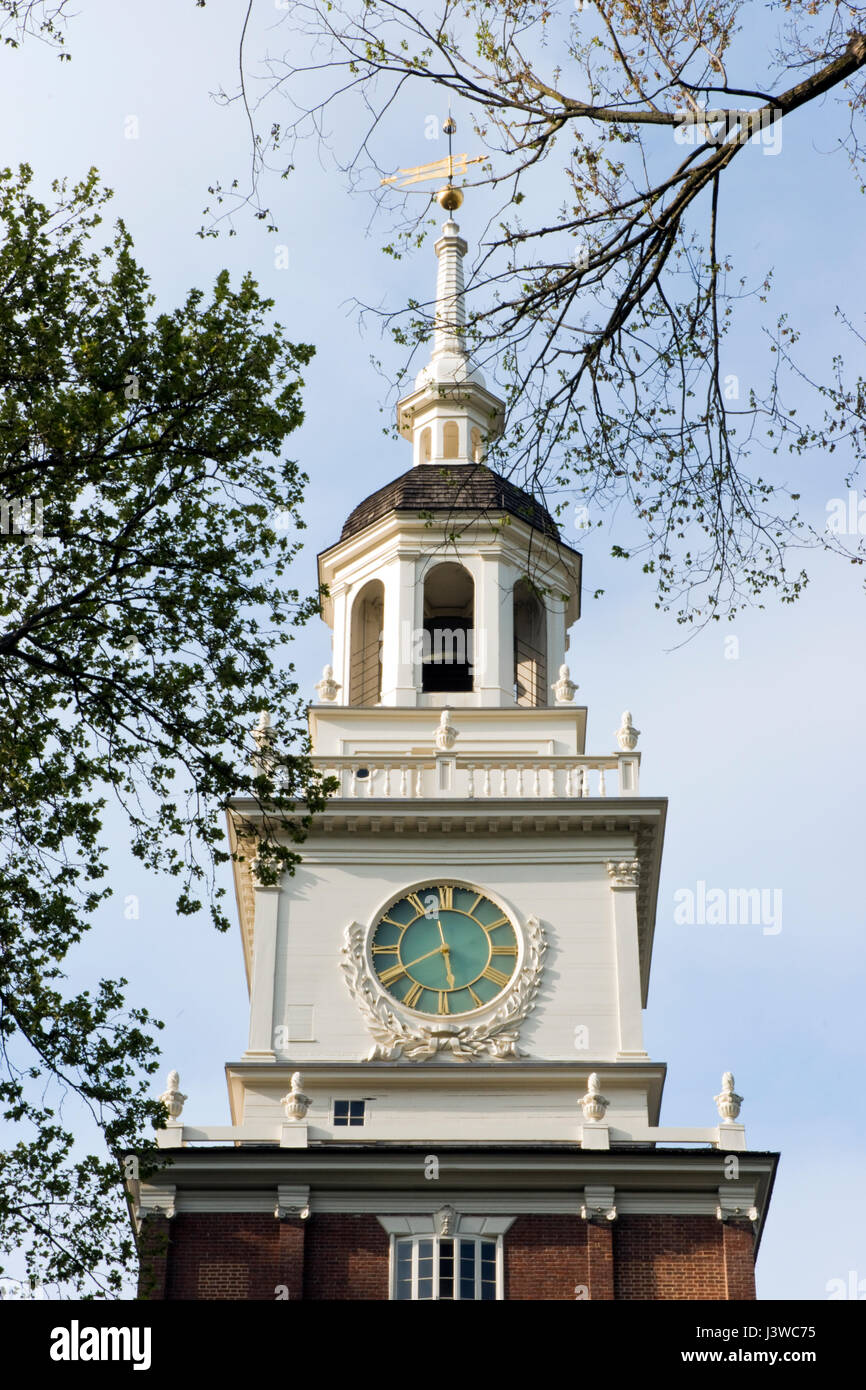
(627, 735)
(594, 1104)
(446, 735)
(296, 1104)
(172, 1097)
(327, 687)
(263, 737)
(565, 687)
(727, 1101)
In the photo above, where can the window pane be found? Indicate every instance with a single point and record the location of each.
(488, 1269)
(403, 1282)
(446, 1269)
(425, 1269)
(341, 1112)
(467, 1269)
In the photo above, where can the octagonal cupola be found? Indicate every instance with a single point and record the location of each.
(449, 586)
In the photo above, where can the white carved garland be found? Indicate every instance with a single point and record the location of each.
(494, 1036)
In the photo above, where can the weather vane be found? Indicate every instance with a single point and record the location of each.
(448, 197)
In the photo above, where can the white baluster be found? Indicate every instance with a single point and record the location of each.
(404, 781)
(471, 774)
(584, 782)
(419, 781)
(503, 780)
(569, 781)
(353, 786)
(602, 790)
(371, 773)
(552, 771)
(536, 780)
(519, 788)
(486, 779)
(387, 788)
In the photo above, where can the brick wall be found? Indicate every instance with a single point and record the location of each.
(226, 1255)
(347, 1258)
(343, 1257)
(669, 1257)
(545, 1257)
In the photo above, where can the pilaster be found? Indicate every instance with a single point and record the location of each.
(261, 1039)
(623, 896)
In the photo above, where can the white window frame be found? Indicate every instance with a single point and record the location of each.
(416, 1239)
(345, 1124)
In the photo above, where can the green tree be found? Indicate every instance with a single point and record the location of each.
(148, 522)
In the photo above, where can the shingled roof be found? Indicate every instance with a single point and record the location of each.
(458, 487)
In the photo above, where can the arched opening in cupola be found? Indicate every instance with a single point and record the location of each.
(426, 445)
(450, 440)
(449, 629)
(477, 445)
(365, 665)
(530, 646)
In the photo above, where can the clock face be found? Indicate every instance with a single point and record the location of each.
(444, 950)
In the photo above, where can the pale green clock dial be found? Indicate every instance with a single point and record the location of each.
(444, 950)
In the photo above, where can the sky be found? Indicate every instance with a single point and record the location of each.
(757, 743)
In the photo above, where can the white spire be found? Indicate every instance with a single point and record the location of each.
(450, 303)
(449, 415)
(449, 360)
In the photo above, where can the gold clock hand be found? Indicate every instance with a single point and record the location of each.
(449, 975)
(418, 959)
(446, 951)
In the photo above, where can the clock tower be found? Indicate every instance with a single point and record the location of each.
(445, 1092)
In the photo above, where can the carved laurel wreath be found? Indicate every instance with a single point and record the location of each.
(494, 1036)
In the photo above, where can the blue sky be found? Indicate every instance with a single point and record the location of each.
(760, 755)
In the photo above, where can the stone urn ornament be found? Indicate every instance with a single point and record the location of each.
(594, 1104)
(565, 687)
(296, 1104)
(627, 735)
(172, 1097)
(445, 736)
(728, 1102)
(327, 687)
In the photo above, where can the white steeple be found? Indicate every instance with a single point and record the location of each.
(449, 360)
(450, 415)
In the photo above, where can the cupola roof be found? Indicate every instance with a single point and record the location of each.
(459, 487)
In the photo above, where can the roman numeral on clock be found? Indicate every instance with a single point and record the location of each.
(500, 922)
(413, 994)
(380, 950)
(446, 897)
(496, 951)
(393, 973)
(497, 976)
(443, 1001)
(416, 903)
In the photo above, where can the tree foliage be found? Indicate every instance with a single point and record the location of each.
(148, 524)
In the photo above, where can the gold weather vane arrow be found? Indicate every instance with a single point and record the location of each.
(448, 197)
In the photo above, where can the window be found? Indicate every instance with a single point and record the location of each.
(349, 1112)
(448, 1268)
(451, 440)
(530, 647)
(449, 607)
(365, 675)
